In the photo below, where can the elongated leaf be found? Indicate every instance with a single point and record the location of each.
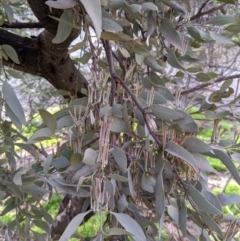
(77, 47)
(34, 190)
(43, 225)
(201, 202)
(165, 113)
(195, 145)
(173, 61)
(226, 160)
(159, 194)
(187, 123)
(220, 39)
(94, 10)
(130, 226)
(11, 53)
(9, 12)
(222, 20)
(149, 6)
(48, 120)
(152, 63)
(170, 34)
(64, 29)
(110, 25)
(47, 164)
(14, 74)
(216, 115)
(62, 4)
(118, 231)
(118, 177)
(13, 104)
(40, 135)
(212, 199)
(203, 163)
(228, 199)
(120, 158)
(72, 226)
(183, 219)
(146, 185)
(180, 152)
(208, 220)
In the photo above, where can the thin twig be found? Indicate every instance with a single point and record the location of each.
(114, 76)
(211, 10)
(219, 79)
(41, 151)
(108, 49)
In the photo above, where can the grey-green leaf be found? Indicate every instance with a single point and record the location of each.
(94, 10)
(62, 4)
(208, 220)
(180, 152)
(131, 226)
(90, 157)
(159, 194)
(11, 53)
(170, 34)
(13, 103)
(173, 61)
(226, 160)
(64, 29)
(110, 25)
(195, 145)
(146, 185)
(48, 119)
(120, 158)
(60, 162)
(201, 202)
(72, 226)
(165, 113)
(40, 135)
(34, 190)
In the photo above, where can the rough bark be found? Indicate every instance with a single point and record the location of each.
(39, 56)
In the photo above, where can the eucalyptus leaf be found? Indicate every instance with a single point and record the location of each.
(130, 226)
(94, 10)
(120, 158)
(201, 202)
(13, 104)
(226, 160)
(180, 152)
(64, 29)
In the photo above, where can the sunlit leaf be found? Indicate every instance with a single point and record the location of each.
(48, 119)
(13, 105)
(64, 29)
(94, 10)
(11, 53)
(62, 4)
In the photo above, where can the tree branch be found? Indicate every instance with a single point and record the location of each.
(21, 25)
(36, 58)
(219, 79)
(113, 74)
(211, 10)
